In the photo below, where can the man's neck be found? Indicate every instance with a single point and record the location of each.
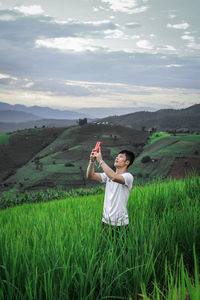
(121, 170)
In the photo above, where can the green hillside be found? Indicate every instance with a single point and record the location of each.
(63, 162)
(4, 139)
(168, 156)
(55, 158)
(17, 148)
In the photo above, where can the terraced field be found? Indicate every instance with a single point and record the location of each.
(63, 162)
(163, 154)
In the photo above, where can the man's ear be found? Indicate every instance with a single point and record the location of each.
(127, 162)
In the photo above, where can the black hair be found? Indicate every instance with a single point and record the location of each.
(129, 156)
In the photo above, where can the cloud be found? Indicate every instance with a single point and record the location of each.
(37, 26)
(126, 6)
(178, 26)
(7, 17)
(6, 76)
(29, 85)
(8, 81)
(120, 5)
(187, 37)
(72, 44)
(166, 48)
(43, 54)
(135, 37)
(30, 10)
(95, 9)
(172, 16)
(173, 66)
(191, 42)
(139, 10)
(103, 88)
(194, 46)
(132, 25)
(60, 88)
(115, 34)
(145, 44)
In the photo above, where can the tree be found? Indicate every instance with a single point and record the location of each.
(143, 128)
(82, 121)
(146, 159)
(82, 175)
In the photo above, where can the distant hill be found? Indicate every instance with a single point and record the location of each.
(10, 127)
(16, 116)
(102, 112)
(162, 120)
(50, 158)
(44, 112)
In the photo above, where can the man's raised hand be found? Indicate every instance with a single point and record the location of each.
(99, 155)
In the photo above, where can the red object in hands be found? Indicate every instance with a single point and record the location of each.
(96, 149)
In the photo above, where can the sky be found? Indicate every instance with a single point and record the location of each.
(71, 54)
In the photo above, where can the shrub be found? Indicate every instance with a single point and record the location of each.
(186, 163)
(69, 165)
(146, 159)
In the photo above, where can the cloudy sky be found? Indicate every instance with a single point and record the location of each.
(100, 53)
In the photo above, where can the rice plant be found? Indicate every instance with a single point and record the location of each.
(59, 250)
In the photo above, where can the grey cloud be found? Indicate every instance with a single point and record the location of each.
(58, 88)
(28, 28)
(142, 93)
(5, 81)
(132, 25)
(138, 69)
(21, 59)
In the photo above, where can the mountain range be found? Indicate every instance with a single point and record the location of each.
(18, 117)
(39, 112)
(87, 112)
(161, 120)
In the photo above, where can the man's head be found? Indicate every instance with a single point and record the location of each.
(125, 158)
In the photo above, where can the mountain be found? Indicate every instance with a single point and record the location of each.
(44, 112)
(162, 120)
(16, 116)
(102, 112)
(51, 123)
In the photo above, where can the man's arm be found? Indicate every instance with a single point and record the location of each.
(108, 171)
(90, 170)
(111, 174)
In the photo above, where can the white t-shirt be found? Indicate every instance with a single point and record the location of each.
(115, 200)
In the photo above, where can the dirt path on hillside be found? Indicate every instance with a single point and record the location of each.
(183, 166)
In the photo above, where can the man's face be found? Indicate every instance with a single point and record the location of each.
(120, 160)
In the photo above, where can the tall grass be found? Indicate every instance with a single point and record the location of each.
(58, 250)
(13, 197)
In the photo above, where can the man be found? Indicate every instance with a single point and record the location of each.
(118, 186)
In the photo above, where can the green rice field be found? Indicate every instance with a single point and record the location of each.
(4, 139)
(58, 249)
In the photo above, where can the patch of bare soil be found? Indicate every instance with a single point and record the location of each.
(183, 167)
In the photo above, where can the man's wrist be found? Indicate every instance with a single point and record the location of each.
(100, 162)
